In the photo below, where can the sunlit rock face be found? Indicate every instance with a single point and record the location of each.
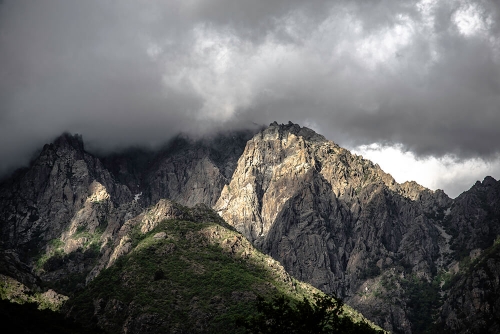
(61, 216)
(39, 203)
(331, 218)
(57, 213)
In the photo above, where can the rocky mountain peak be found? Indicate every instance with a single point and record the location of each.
(68, 140)
(43, 200)
(489, 181)
(63, 147)
(330, 217)
(280, 161)
(291, 128)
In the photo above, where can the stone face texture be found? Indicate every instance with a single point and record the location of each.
(328, 216)
(188, 178)
(187, 171)
(70, 205)
(473, 304)
(474, 216)
(39, 203)
(331, 218)
(56, 207)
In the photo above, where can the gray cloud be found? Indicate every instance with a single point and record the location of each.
(423, 74)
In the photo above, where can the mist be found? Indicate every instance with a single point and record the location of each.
(421, 76)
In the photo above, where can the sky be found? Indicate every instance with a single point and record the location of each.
(412, 85)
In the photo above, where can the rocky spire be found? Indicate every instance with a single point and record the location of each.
(330, 217)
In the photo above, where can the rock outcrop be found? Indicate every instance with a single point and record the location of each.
(38, 203)
(337, 221)
(472, 303)
(473, 218)
(396, 252)
(186, 171)
(186, 271)
(58, 215)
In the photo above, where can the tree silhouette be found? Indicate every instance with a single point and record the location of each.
(322, 315)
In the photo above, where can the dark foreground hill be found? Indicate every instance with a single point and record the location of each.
(183, 271)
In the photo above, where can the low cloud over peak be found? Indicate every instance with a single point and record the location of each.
(424, 75)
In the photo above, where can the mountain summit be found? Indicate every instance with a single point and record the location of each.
(405, 256)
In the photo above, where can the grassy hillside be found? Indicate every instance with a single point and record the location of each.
(185, 277)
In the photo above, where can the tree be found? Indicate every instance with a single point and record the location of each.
(322, 315)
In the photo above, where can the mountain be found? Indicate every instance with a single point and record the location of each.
(410, 259)
(185, 170)
(335, 220)
(68, 194)
(473, 301)
(171, 269)
(185, 271)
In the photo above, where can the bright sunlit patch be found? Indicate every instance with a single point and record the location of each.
(471, 19)
(209, 72)
(383, 45)
(447, 173)
(426, 8)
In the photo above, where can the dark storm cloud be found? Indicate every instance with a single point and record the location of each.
(424, 74)
(428, 78)
(82, 66)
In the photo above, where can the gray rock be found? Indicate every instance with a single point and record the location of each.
(331, 218)
(160, 235)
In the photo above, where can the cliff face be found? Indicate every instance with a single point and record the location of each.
(62, 214)
(40, 203)
(473, 302)
(337, 221)
(396, 252)
(474, 217)
(194, 172)
(185, 170)
(57, 214)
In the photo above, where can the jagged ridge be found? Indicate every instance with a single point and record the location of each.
(330, 217)
(337, 221)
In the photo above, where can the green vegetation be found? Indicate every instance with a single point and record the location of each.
(54, 258)
(182, 274)
(425, 297)
(197, 277)
(323, 315)
(468, 265)
(371, 270)
(423, 300)
(15, 292)
(55, 250)
(91, 239)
